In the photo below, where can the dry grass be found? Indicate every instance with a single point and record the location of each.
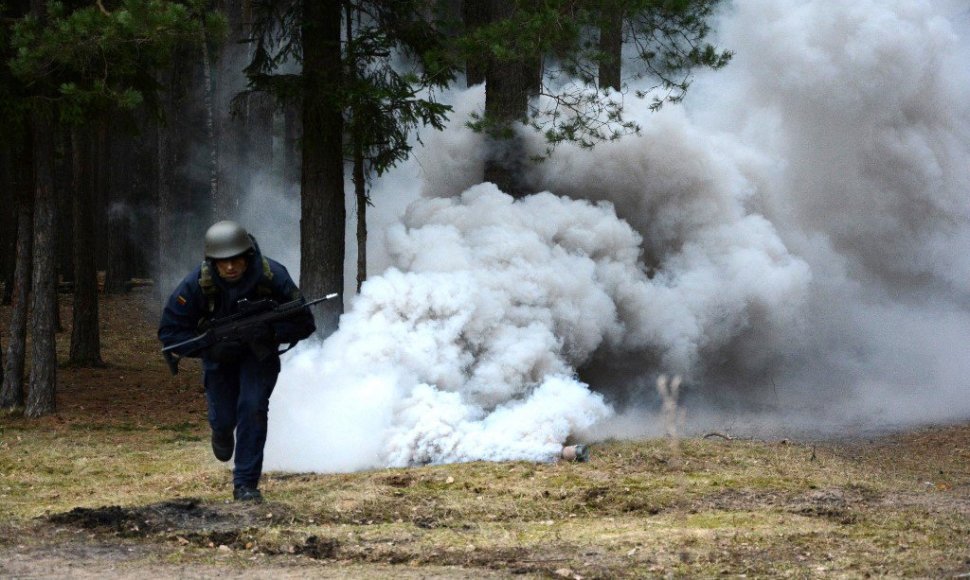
(129, 447)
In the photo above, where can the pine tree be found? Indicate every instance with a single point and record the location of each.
(546, 62)
(354, 106)
(78, 64)
(17, 184)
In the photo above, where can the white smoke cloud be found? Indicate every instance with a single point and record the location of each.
(492, 306)
(798, 223)
(473, 337)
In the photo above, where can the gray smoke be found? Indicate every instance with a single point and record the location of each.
(790, 239)
(861, 116)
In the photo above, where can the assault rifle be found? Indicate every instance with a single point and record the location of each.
(253, 316)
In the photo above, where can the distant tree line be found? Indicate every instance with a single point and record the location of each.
(129, 125)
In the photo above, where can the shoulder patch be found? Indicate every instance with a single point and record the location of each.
(181, 300)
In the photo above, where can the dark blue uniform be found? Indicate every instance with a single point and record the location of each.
(237, 384)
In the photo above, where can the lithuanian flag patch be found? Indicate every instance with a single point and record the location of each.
(181, 300)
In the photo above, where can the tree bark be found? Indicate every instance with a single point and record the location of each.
(323, 213)
(43, 360)
(220, 209)
(11, 252)
(611, 45)
(508, 86)
(253, 160)
(63, 222)
(182, 198)
(245, 137)
(100, 184)
(358, 174)
(132, 187)
(85, 333)
(360, 192)
(8, 223)
(474, 14)
(118, 158)
(113, 168)
(167, 263)
(12, 391)
(144, 237)
(131, 160)
(222, 133)
(292, 152)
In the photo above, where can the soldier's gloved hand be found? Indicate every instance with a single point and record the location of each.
(225, 352)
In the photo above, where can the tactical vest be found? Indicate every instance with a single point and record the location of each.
(264, 286)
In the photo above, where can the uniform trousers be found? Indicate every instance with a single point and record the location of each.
(237, 394)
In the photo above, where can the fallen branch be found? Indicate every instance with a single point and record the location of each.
(721, 435)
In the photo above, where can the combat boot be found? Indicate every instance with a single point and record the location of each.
(223, 444)
(246, 493)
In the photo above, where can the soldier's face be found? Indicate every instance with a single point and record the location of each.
(232, 269)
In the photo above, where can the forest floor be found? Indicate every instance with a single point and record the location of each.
(121, 483)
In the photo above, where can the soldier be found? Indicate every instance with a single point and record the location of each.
(238, 383)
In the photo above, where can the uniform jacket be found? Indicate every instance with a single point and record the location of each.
(190, 304)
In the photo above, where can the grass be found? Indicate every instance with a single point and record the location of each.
(736, 507)
(122, 479)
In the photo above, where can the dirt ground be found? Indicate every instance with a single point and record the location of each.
(120, 483)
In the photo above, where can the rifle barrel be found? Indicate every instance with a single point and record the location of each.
(318, 300)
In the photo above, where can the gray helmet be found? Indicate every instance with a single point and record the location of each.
(226, 239)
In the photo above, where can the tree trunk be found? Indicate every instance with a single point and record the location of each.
(182, 200)
(131, 160)
(10, 251)
(43, 359)
(12, 392)
(508, 86)
(474, 14)
(246, 154)
(360, 192)
(8, 223)
(253, 132)
(146, 178)
(85, 333)
(323, 213)
(113, 166)
(63, 220)
(64, 223)
(222, 134)
(139, 181)
(100, 162)
(611, 45)
(220, 209)
(119, 159)
(292, 151)
(358, 174)
(167, 263)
